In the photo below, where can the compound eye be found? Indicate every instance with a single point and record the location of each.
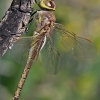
(51, 4)
(47, 4)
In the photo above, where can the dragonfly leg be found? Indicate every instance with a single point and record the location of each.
(30, 21)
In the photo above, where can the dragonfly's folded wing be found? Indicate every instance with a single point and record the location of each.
(79, 46)
(20, 50)
(50, 57)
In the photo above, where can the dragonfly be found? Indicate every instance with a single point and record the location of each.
(42, 43)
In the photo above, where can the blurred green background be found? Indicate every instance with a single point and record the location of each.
(78, 79)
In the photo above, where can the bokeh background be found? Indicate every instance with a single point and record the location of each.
(78, 79)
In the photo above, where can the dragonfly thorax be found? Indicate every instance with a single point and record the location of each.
(44, 20)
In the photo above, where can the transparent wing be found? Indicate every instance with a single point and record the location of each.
(50, 57)
(20, 50)
(79, 46)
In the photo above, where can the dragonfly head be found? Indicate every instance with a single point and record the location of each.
(47, 5)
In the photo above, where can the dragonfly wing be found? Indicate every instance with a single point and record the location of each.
(50, 57)
(79, 46)
(84, 48)
(20, 50)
